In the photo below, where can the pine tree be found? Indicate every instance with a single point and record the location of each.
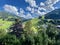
(17, 28)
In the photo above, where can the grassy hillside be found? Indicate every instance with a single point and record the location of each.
(32, 24)
(5, 24)
(37, 31)
(36, 24)
(6, 20)
(4, 27)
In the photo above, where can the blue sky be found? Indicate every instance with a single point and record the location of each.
(17, 3)
(29, 8)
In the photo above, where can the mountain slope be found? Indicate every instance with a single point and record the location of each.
(55, 14)
(9, 16)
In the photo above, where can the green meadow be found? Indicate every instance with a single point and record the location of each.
(5, 24)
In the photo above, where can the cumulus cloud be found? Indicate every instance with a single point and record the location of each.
(42, 4)
(28, 8)
(41, 8)
(22, 11)
(33, 8)
(11, 9)
(46, 6)
(14, 10)
(39, 13)
(28, 16)
(32, 3)
(56, 7)
(49, 4)
(22, 15)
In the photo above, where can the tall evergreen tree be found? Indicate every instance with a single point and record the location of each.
(17, 28)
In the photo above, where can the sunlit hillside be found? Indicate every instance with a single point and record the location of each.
(5, 24)
(37, 31)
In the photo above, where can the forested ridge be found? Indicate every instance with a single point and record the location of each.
(37, 31)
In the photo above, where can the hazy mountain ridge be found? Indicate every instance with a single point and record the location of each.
(55, 14)
(9, 16)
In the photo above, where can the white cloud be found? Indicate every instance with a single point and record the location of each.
(56, 7)
(40, 13)
(32, 3)
(11, 9)
(46, 6)
(28, 8)
(14, 10)
(21, 15)
(50, 4)
(42, 4)
(41, 8)
(22, 11)
(28, 16)
(33, 9)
